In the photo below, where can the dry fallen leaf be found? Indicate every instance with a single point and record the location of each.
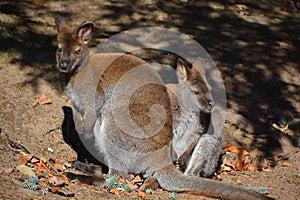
(141, 194)
(226, 169)
(64, 97)
(59, 167)
(246, 160)
(234, 149)
(25, 170)
(57, 180)
(116, 191)
(238, 165)
(43, 99)
(252, 167)
(132, 186)
(44, 163)
(38, 166)
(55, 189)
(38, 3)
(286, 164)
(34, 160)
(227, 162)
(22, 159)
(7, 170)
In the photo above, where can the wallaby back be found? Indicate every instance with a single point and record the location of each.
(126, 117)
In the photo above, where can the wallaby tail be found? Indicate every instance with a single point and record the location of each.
(173, 180)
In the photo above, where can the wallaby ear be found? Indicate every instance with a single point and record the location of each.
(182, 70)
(59, 21)
(200, 64)
(85, 31)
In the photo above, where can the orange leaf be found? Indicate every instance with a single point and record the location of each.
(237, 165)
(59, 166)
(234, 149)
(43, 99)
(38, 166)
(44, 163)
(253, 167)
(264, 165)
(22, 159)
(39, 4)
(115, 191)
(64, 97)
(286, 164)
(141, 194)
(275, 158)
(55, 189)
(246, 166)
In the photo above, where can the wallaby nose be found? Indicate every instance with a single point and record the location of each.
(63, 64)
(210, 105)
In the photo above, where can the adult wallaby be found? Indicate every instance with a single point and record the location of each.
(196, 146)
(140, 143)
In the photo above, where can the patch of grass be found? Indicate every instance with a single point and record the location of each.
(289, 174)
(41, 65)
(114, 181)
(5, 56)
(172, 196)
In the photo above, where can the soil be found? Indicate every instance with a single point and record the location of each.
(255, 45)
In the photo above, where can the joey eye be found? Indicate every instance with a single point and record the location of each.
(196, 92)
(77, 51)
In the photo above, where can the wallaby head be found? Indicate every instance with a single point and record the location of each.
(197, 84)
(72, 45)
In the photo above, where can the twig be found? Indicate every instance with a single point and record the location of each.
(286, 156)
(51, 130)
(16, 145)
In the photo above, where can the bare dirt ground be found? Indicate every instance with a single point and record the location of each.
(255, 45)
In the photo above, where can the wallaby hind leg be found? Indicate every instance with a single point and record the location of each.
(205, 157)
(206, 154)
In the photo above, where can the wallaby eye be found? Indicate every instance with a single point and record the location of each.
(77, 52)
(59, 50)
(196, 92)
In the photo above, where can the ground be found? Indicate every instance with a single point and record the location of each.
(255, 45)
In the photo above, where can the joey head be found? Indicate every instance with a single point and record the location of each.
(122, 113)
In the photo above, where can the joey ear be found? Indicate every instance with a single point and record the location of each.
(85, 31)
(59, 21)
(199, 63)
(182, 70)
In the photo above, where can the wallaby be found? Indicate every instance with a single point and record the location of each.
(97, 114)
(196, 147)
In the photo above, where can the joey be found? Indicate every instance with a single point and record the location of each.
(122, 113)
(196, 147)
